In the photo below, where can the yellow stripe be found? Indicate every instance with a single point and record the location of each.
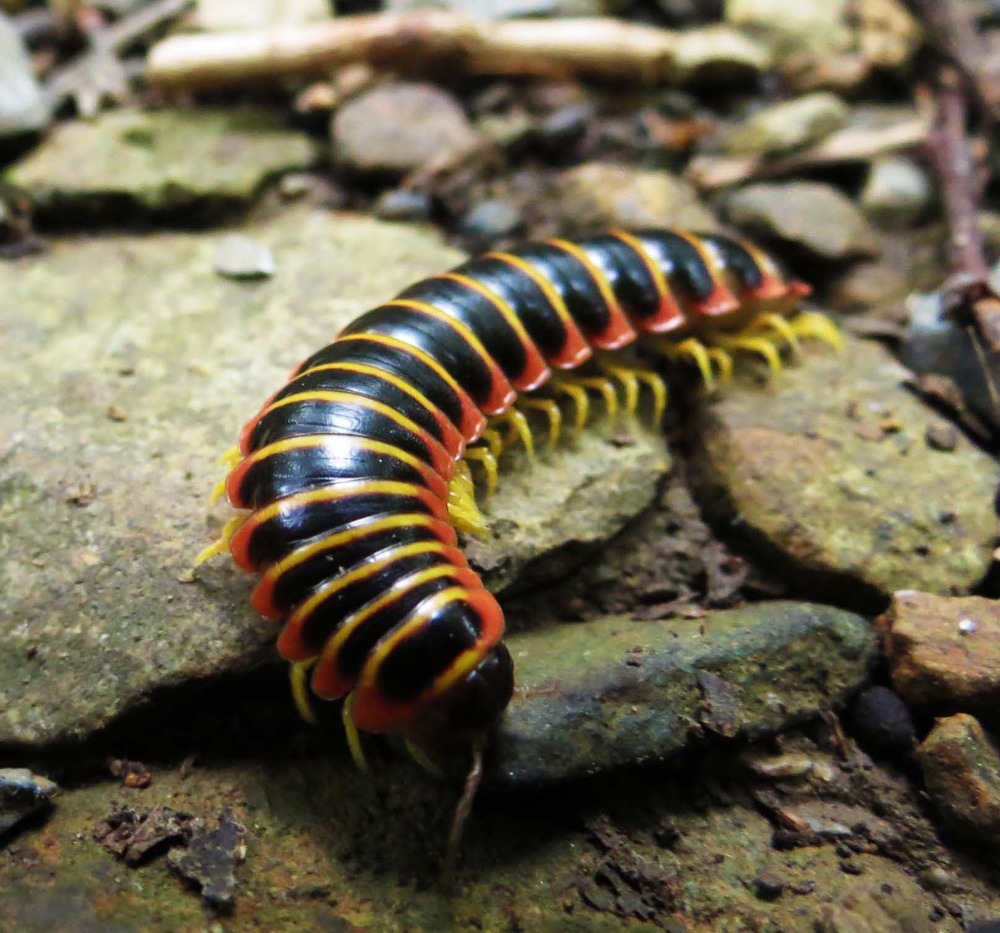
(712, 260)
(324, 440)
(304, 610)
(365, 370)
(655, 272)
(387, 487)
(600, 279)
(352, 622)
(548, 289)
(361, 530)
(509, 314)
(349, 398)
(424, 307)
(458, 669)
(387, 340)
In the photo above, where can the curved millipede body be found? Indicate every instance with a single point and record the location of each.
(354, 475)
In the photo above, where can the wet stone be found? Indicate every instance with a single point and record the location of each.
(396, 128)
(23, 108)
(825, 473)
(897, 193)
(158, 161)
(944, 652)
(23, 795)
(810, 215)
(883, 722)
(789, 125)
(546, 519)
(598, 195)
(581, 708)
(961, 768)
(242, 257)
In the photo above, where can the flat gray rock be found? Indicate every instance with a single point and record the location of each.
(828, 471)
(599, 695)
(23, 107)
(159, 160)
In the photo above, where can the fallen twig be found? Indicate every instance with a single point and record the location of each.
(68, 80)
(851, 144)
(950, 30)
(600, 48)
(969, 296)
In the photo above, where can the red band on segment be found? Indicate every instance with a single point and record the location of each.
(328, 681)
(575, 350)
(291, 645)
(669, 314)
(502, 394)
(721, 300)
(373, 712)
(536, 370)
(239, 543)
(262, 598)
(619, 332)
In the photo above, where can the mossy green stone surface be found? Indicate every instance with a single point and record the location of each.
(602, 694)
(160, 160)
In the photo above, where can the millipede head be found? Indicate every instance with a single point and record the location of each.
(465, 712)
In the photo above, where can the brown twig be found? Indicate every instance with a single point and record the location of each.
(598, 47)
(970, 297)
(116, 38)
(951, 32)
(851, 144)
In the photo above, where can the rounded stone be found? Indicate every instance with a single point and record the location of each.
(396, 128)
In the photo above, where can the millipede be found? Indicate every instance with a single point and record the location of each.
(353, 480)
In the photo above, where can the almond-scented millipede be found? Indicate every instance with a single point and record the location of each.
(356, 474)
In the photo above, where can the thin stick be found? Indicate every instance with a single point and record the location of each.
(113, 39)
(851, 144)
(600, 48)
(461, 816)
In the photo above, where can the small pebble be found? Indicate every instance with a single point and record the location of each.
(240, 257)
(883, 722)
(491, 219)
(968, 626)
(768, 888)
(942, 435)
(402, 204)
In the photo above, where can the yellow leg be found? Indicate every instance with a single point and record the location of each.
(723, 361)
(353, 736)
(519, 428)
(494, 441)
(218, 491)
(632, 378)
(221, 544)
(231, 457)
(462, 508)
(813, 325)
(422, 759)
(581, 404)
(690, 349)
(551, 410)
(298, 673)
(489, 462)
(778, 325)
(607, 391)
(760, 345)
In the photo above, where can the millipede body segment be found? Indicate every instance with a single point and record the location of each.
(355, 475)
